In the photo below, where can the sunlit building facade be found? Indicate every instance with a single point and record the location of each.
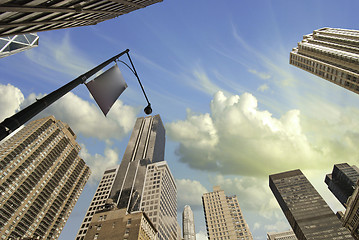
(332, 54)
(41, 178)
(288, 235)
(189, 232)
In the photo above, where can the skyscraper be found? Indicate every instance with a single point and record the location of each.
(350, 219)
(189, 232)
(41, 178)
(342, 181)
(332, 54)
(18, 43)
(288, 235)
(98, 201)
(306, 211)
(224, 218)
(32, 16)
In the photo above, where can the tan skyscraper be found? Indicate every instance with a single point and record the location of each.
(41, 178)
(332, 54)
(224, 218)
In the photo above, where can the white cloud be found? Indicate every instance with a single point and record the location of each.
(238, 138)
(201, 236)
(99, 163)
(263, 88)
(10, 99)
(260, 74)
(203, 83)
(189, 192)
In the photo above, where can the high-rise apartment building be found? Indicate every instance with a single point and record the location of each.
(224, 218)
(189, 232)
(332, 54)
(98, 201)
(18, 17)
(41, 178)
(288, 235)
(342, 181)
(308, 214)
(18, 43)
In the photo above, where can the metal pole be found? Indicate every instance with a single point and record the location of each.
(18, 119)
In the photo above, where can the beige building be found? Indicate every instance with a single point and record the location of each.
(288, 235)
(351, 216)
(224, 218)
(118, 224)
(332, 54)
(41, 178)
(98, 201)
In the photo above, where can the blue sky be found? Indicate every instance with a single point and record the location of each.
(218, 73)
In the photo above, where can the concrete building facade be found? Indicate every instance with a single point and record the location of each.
(332, 54)
(189, 232)
(41, 178)
(224, 218)
(308, 214)
(350, 219)
(288, 235)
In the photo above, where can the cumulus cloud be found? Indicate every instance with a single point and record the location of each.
(237, 137)
(189, 192)
(10, 99)
(99, 163)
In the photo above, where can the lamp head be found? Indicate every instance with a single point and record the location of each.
(148, 109)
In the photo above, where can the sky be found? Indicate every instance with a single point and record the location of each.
(218, 73)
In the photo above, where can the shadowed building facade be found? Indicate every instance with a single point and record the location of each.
(332, 54)
(41, 178)
(308, 214)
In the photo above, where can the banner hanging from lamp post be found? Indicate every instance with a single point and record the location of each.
(107, 87)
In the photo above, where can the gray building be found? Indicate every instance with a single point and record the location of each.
(288, 235)
(189, 232)
(342, 181)
(332, 54)
(308, 214)
(41, 178)
(13, 44)
(19, 17)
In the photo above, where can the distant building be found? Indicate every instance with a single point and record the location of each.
(342, 181)
(308, 214)
(98, 201)
(18, 17)
(18, 43)
(189, 232)
(351, 217)
(332, 54)
(118, 224)
(41, 178)
(288, 235)
(224, 218)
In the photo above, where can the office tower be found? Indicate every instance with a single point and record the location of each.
(332, 54)
(118, 224)
(288, 235)
(189, 232)
(342, 181)
(18, 43)
(98, 201)
(41, 178)
(159, 200)
(18, 17)
(350, 220)
(146, 145)
(224, 218)
(306, 211)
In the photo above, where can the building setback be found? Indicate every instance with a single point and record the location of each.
(332, 54)
(18, 17)
(189, 232)
(288, 235)
(342, 181)
(41, 178)
(224, 219)
(306, 211)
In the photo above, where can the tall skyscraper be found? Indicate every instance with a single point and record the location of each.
(18, 43)
(189, 232)
(350, 219)
(224, 218)
(332, 54)
(342, 181)
(308, 214)
(32, 16)
(41, 178)
(98, 201)
(288, 235)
